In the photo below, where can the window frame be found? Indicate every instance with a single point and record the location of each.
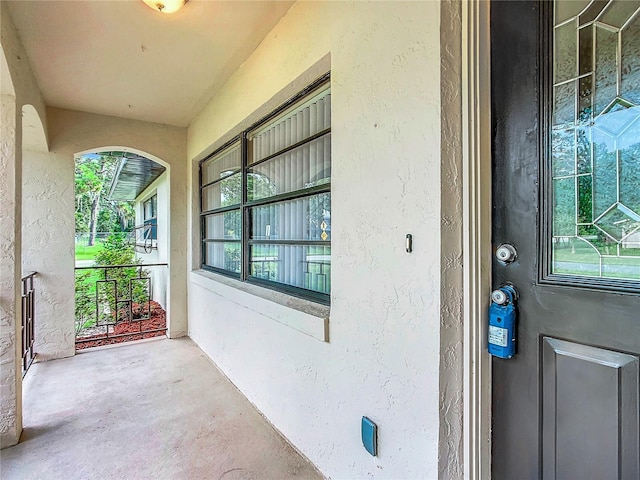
(246, 205)
(153, 220)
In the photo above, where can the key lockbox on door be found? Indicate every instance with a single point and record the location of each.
(502, 322)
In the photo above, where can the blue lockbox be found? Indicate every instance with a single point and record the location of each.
(502, 323)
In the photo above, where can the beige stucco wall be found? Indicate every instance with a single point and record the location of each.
(159, 254)
(384, 352)
(48, 248)
(10, 273)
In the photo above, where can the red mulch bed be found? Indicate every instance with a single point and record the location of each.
(129, 330)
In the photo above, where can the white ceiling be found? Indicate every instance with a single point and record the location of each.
(119, 57)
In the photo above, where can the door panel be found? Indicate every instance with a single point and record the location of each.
(573, 429)
(567, 403)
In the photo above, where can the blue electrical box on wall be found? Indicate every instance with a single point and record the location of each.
(370, 436)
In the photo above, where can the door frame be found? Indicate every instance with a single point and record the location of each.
(477, 257)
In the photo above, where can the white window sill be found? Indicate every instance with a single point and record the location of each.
(305, 316)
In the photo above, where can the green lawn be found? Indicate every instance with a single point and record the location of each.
(89, 277)
(584, 260)
(583, 253)
(88, 253)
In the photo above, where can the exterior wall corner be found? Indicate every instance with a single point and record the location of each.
(10, 273)
(451, 314)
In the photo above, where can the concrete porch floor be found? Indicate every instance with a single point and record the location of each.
(150, 410)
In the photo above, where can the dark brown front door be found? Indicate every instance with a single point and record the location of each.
(566, 195)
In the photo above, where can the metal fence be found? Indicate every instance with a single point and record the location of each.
(28, 321)
(142, 237)
(82, 238)
(114, 303)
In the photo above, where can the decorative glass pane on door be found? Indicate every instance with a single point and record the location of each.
(595, 139)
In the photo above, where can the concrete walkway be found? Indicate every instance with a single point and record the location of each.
(84, 263)
(156, 409)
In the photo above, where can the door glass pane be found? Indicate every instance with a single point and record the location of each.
(595, 140)
(565, 52)
(568, 10)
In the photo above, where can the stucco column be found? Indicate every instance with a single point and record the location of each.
(48, 227)
(10, 272)
(177, 281)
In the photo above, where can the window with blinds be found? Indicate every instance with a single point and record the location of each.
(266, 199)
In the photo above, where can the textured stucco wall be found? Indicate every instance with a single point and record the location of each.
(19, 81)
(10, 274)
(159, 275)
(76, 132)
(384, 355)
(451, 293)
(48, 248)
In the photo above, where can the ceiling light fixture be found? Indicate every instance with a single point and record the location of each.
(166, 6)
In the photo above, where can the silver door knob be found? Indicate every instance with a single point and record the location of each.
(506, 253)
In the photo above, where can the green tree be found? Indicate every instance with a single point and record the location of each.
(89, 185)
(94, 211)
(117, 251)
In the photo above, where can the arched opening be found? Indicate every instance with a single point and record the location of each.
(121, 244)
(6, 82)
(33, 132)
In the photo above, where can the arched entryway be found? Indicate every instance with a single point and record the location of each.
(121, 244)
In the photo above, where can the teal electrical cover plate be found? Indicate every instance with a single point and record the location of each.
(369, 436)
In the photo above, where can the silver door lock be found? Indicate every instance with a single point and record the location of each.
(499, 297)
(506, 253)
(504, 295)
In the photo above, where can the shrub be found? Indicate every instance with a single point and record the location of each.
(84, 296)
(111, 296)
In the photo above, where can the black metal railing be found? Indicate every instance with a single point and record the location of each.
(114, 303)
(28, 320)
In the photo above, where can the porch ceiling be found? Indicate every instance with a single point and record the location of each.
(121, 58)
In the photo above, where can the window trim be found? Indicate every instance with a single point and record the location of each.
(245, 205)
(153, 221)
(304, 315)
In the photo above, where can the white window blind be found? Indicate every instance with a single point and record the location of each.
(221, 178)
(286, 212)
